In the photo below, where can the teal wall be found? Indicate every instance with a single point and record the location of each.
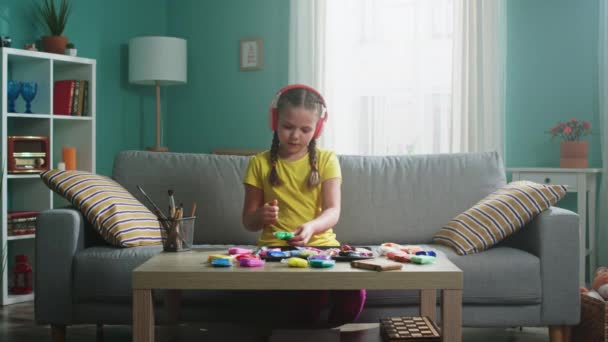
(101, 29)
(221, 106)
(551, 76)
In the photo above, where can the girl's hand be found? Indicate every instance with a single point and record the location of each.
(302, 235)
(269, 213)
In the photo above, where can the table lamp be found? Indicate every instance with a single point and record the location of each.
(157, 61)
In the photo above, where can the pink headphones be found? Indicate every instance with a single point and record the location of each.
(273, 117)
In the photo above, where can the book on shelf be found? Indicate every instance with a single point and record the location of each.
(63, 92)
(21, 222)
(75, 98)
(85, 100)
(70, 97)
(17, 214)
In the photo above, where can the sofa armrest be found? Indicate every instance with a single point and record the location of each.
(59, 235)
(553, 236)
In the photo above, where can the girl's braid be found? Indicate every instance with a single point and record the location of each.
(314, 178)
(274, 157)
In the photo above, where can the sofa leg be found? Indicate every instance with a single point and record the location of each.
(57, 333)
(99, 333)
(559, 333)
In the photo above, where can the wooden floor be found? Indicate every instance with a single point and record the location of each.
(17, 325)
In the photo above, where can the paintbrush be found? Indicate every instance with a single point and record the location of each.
(171, 203)
(157, 210)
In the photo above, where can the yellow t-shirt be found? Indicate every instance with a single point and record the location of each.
(298, 203)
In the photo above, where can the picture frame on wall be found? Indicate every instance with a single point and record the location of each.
(251, 54)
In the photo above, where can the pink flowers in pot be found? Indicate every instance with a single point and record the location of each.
(571, 130)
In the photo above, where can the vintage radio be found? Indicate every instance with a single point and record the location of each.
(28, 154)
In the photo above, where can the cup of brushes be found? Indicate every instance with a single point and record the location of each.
(177, 230)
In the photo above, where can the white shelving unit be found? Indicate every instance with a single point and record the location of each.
(27, 191)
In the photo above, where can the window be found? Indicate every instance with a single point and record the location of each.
(404, 76)
(388, 76)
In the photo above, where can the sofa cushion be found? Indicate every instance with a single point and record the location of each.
(501, 275)
(118, 217)
(409, 198)
(498, 215)
(103, 273)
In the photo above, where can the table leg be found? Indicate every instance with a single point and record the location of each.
(172, 303)
(451, 315)
(143, 316)
(428, 304)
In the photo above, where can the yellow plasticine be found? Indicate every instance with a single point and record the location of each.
(213, 256)
(297, 262)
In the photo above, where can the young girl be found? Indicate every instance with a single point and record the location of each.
(295, 187)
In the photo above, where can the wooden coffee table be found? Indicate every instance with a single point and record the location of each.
(191, 271)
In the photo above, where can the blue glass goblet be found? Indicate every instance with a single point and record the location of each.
(28, 92)
(14, 88)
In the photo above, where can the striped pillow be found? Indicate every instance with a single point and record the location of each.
(497, 216)
(118, 216)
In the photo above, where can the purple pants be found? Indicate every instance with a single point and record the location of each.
(344, 306)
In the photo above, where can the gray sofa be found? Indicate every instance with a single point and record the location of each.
(527, 280)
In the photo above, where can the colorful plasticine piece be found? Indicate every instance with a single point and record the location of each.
(251, 262)
(283, 235)
(320, 263)
(238, 250)
(297, 262)
(305, 253)
(319, 257)
(399, 256)
(221, 262)
(278, 254)
(423, 259)
(429, 253)
(251, 256)
(215, 256)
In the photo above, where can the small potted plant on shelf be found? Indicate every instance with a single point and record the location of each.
(574, 152)
(70, 49)
(54, 18)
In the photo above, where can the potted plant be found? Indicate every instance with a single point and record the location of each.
(54, 19)
(70, 49)
(573, 151)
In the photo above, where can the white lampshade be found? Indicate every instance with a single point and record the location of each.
(153, 59)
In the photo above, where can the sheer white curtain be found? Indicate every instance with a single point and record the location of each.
(478, 85)
(390, 71)
(603, 97)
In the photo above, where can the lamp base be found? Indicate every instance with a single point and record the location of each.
(158, 149)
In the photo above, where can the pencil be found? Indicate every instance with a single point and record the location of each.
(193, 212)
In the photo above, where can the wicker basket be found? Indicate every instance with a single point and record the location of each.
(594, 321)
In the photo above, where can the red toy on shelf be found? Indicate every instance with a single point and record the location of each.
(22, 276)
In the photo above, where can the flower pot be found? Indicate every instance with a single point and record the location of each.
(54, 44)
(71, 52)
(574, 154)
